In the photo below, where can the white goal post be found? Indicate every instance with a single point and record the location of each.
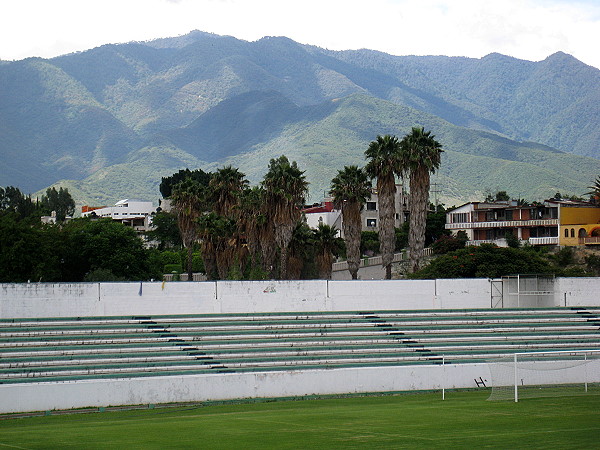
(545, 374)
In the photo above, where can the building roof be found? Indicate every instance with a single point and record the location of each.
(322, 208)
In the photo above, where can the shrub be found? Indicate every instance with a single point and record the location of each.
(485, 261)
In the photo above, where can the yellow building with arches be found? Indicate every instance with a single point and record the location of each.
(579, 224)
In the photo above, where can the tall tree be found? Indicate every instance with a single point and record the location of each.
(59, 201)
(217, 233)
(285, 190)
(226, 186)
(251, 218)
(188, 201)
(421, 156)
(350, 190)
(327, 245)
(301, 250)
(13, 200)
(384, 163)
(168, 183)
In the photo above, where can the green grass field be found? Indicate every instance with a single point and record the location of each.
(463, 420)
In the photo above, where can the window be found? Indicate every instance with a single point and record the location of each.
(371, 206)
(508, 215)
(572, 232)
(460, 217)
(566, 232)
(371, 223)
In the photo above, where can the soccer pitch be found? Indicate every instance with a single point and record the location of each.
(420, 420)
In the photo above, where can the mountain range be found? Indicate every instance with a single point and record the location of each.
(109, 122)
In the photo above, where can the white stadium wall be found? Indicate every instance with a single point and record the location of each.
(196, 388)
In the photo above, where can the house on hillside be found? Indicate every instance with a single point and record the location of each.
(325, 213)
(553, 222)
(130, 212)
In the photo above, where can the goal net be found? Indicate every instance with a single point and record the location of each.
(545, 374)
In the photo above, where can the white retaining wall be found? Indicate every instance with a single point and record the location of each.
(192, 388)
(130, 299)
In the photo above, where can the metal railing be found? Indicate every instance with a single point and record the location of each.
(502, 242)
(502, 224)
(377, 260)
(590, 240)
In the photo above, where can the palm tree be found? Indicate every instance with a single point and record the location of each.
(300, 250)
(595, 190)
(285, 188)
(188, 200)
(327, 245)
(226, 186)
(350, 190)
(384, 164)
(218, 244)
(250, 218)
(421, 156)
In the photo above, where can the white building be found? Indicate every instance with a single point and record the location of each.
(323, 213)
(134, 213)
(326, 214)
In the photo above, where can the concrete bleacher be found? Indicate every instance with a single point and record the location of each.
(84, 348)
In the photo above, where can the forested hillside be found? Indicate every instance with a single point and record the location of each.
(115, 119)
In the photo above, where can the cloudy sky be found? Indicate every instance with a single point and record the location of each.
(526, 29)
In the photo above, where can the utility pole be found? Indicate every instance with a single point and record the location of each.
(435, 191)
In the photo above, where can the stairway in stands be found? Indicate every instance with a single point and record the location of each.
(79, 348)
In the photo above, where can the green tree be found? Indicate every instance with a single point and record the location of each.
(301, 251)
(252, 220)
(13, 200)
(350, 189)
(20, 243)
(165, 230)
(168, 183)
(435, 226)
(449, 243)
(104, 244)
(327, 245)
(226, 186)
(485, 261)
(217, 232)
(512, 240)
(500, 196)
(421, 156)
(225, 189)
(285, 190)
(384, 163)
(188, 200)
(369, 242)
(59, 201)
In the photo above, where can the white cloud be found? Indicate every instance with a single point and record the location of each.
(527, 29)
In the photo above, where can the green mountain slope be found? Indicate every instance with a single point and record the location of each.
(473, 162)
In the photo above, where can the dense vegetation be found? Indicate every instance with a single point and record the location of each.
(115, 119)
